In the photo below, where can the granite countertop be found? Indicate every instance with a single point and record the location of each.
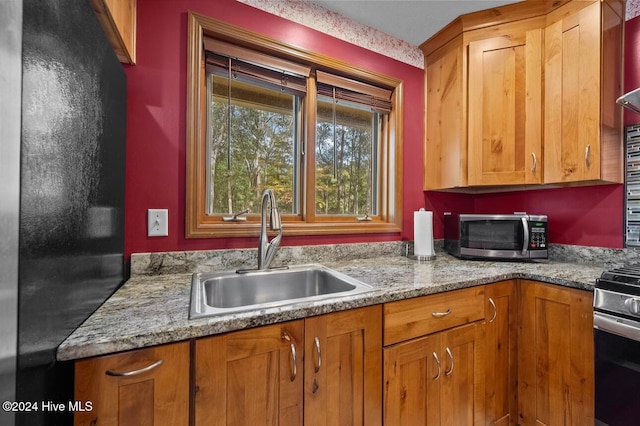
(154, 309)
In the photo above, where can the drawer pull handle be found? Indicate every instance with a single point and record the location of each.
(294, 357)
(319, 355)
(437, 376)
(449, 371)
(441, 314)
(134, 372)
(495, 310)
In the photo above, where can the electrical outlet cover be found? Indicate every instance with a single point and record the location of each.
(157, 222)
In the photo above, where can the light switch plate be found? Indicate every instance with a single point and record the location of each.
(157, 222)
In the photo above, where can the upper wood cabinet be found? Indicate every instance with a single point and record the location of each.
(118, 19)
(483, 94)
(583, 124)
(525, 94)
(505, 109)
(445, 154)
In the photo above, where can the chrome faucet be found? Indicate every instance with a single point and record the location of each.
(267, 250)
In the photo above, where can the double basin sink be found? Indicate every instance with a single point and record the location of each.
(230, 292)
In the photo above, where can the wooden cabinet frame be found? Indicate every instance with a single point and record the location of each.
(136, 387)
(505, 109)
(540, 111)
(533, 355)
(555, 355)
(323, 370)
(118, 19)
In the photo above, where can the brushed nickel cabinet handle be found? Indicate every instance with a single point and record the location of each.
(587, 151)
(441, 314)
(437, 376)
(495, 310)
(449, 371)
(294, 358)
(134, 372)
(318, 354)
(535, 162)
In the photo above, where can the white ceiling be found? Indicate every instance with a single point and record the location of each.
(413, 21)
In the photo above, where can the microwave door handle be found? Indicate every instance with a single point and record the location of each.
(525, 245)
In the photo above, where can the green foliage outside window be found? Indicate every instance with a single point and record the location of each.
(259, 154)
(262, 151)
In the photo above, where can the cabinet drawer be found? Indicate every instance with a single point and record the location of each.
(407, 319)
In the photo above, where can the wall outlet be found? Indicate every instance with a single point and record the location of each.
(157, 222)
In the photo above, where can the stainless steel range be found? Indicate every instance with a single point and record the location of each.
(616, 322)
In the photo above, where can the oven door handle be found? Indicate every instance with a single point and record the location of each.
(616, 325)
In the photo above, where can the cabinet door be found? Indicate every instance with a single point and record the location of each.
(501, 355)
(445, 162)
(412, 376)
(462, 399)
(437, 379)
(343, 377)
(143, 387)
(250, 377)
(555, 355)
(505, 109)
(572, 96)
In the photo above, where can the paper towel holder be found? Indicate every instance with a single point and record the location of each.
(419, 257)
(422, 257)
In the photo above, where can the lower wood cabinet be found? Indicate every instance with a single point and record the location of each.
(143, 387)
(250, 377)
(323, 370)
(437, 379)
(501, 402)
(509, 353)
(555, 356)
(342, 370)
(434, 365)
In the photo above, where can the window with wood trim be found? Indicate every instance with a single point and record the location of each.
(325, 135)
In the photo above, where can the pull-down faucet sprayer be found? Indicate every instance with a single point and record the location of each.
(267, 250)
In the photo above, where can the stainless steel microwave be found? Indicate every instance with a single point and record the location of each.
(496, 236)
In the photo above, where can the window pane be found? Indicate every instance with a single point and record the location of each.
(261, 152)
(346, 157)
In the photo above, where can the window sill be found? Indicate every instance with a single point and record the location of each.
(251, 229)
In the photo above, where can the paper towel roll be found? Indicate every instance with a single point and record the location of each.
(423, 233)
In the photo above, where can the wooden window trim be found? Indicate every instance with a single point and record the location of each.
(200, 225)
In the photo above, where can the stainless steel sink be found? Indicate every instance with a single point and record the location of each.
(228, 292)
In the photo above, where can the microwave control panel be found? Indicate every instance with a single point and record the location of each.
(538, 235)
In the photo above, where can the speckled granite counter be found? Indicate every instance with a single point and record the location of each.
(154, 309)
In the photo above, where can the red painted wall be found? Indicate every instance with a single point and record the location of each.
(156, 118)
(156, 137)
(586, 216)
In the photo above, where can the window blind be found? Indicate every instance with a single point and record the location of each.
(254, 67)
(379, 99)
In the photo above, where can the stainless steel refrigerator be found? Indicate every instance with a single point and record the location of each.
(62, 149)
